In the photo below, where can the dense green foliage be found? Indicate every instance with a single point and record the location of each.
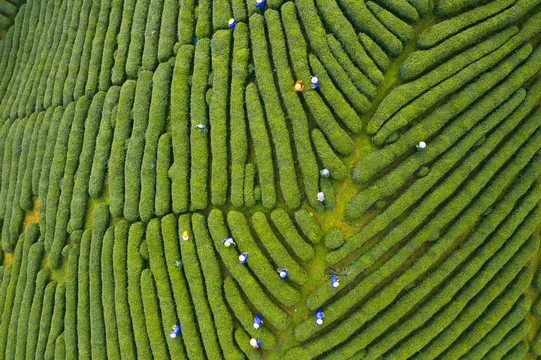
(231, 169)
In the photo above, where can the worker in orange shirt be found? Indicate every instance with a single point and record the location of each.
(299, 87)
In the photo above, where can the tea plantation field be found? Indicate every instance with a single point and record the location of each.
(398, 192)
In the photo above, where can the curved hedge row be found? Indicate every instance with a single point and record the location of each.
(419, 61)
(276, 316)
(152, 34)
(157, 118)
(122, 129)
(137, 38)
(199, 115)
(327, 156)
(128, 272)
(194, 277)
(166, 302)
(190, 334)
(274, 114)
(103, 143)
(249, 185)
(70, 320)
(163, 183)
(213, 282)
(180, 129)
(245, 316)
(57, 323)
(136, 145)
(293, 105)
(83, 297)
(108, 293)
(402, 30)
(168, 30)
(276, 250)
(238, 141)
(511, 319)
(37, 344)
(265, 272)
(123, 266)
(287, 229)
(400, 8)
(220, 48)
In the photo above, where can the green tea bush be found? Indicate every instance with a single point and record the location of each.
(404, 94)
(316, 36)
(123, 38)
(83, 297)
(71, 298)
(379, 57)
(6, 165)
(110, 43)
(295, 111)
(45, 320)
(190, 333)
(108, 293)
(60, 347)
(338, 25)
(152, 315)
(57, 322)
(80, 189)
(440, 31)
(238, 134)
(25, 199)
(128, 277)
(220, 48)
(360, 80)
(122, 130)
(245, 316)
(400, 8)
(124, 295)
(333, 239)
(327, 156)
(29, 332)
(6, 278)
(156, 126)
(262, 147)
(364, 21)
(249, 185)
(512, 338)
(163, 183)
(239, 10)
(511, 319)
(258, 262)
(163, 286)
(243, 341)
(422, 104)
(498, 309)
(308, 225)
(199, 115)
(213, 282)
(403, 31)
(137, 38)
(136, 145)
(152, 34)
(194, 277)
(287, 229)
(221, 13)
(452, 7)
(186, 22)
(168, 30)
(276, 250)
(33, 279)
(276, 316)
(419, 61)
(274, 113)
(42, 145)
(343, 111)
(180, 129)
(519, 350)
(203, 27)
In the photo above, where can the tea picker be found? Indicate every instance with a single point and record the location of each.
(257, 321)
(232, 23)
(174, 332)
(325, 173)
(254, 343)
(282, 272)
(320, 196)
(319, 316)
(202, 127)
(315, 82)
(228, 242)
(259, 4)
(243, 257)
(299, 87)
(334, 281)
(420, 146)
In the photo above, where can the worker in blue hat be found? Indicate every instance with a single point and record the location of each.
(257, 321)
(174, 332)
(254, 343)
(202, 127)
(243, 257)
(232, 23)
(282, 272)
(334, 281)
(319, 316)
(315, 82)
(228, 242)
(325, 173)
(259, 4)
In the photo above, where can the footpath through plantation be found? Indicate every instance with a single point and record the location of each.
(293, 180)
